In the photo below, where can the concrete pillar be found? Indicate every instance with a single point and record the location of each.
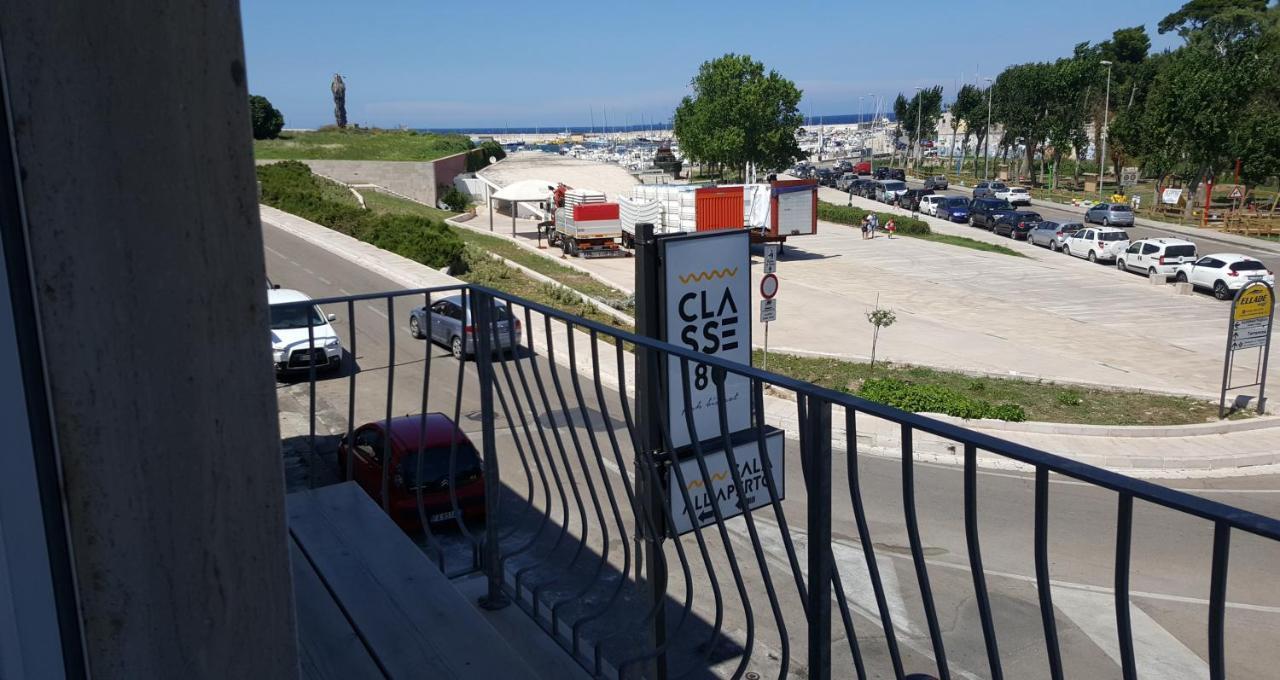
(131, 132)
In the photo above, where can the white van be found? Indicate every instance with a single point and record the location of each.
(290, 350)
(887, 190)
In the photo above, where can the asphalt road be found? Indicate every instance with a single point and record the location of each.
(569, 480)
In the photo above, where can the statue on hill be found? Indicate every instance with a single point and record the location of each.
(339, 90)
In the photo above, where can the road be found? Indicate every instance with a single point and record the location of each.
(1170, 553)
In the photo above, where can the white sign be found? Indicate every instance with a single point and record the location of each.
(796, 211)
(707, 284)
(719, 489)
(1236, 193)
(770, 258)
(1128, 176)
(768, 311)
(769, 286)
(1171, 196)
(1250, 333)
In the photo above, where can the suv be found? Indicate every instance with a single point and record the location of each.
(847, 179)
(889, 190)
(825, 177)
(936, 182)
(985, 212)
(898, 174)
(1224, 273)
(1015, 195)
(1097, 243)
(1156, 255)
(1108, 214)
(1018, 225)
(988, 189)
(293, 324)
(911, 199)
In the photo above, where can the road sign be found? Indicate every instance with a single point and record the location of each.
(1251, 317)
(768, 310)
(770, 258)
(718, 491)
(769, 286)
(1254, 302)
(1128, 176)
(706, 284)
(1236, 194)
(1171, 196)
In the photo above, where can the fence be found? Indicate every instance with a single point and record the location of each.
(627, 557)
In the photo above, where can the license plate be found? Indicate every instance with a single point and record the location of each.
(442, 516)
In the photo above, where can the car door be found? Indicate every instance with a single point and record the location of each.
(438, 312)
(1133, 256)
(1205, 271)
(1150, 256)
(1081, 242)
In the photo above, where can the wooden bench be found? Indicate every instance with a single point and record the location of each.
(371, 605)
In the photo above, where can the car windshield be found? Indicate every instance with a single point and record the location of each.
(1112, 236)
(1180, 251)
(1247, 266)
(1031, 217)
(1002, 205)
(1073, 226)
(956, 202)
(295, 316)
(1018, 190)
(435, 467)
(894, 186)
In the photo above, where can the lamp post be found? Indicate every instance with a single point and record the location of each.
(1106, 114)
(986, 140)
(915, 151)
(866, 139)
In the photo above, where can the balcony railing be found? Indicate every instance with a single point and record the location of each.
(579, 526)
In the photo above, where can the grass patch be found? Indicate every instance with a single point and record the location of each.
(361, 144)
(853, 216)
(916, 388)
(383, 202)
(485, 271)
(966, 242)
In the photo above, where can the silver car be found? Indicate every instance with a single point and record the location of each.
(451, 326)
(1110, 214)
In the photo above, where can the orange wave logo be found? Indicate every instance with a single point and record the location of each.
(715, 477)
(726, 273)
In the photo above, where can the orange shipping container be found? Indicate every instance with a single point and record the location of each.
(719, 208)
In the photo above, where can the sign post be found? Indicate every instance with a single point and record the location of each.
(1252, 312)
(768, 289)
(1128, 176)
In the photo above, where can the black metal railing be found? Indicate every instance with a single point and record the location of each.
(581, 524)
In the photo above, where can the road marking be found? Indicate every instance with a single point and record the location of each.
(275, 252)
(343, 291)
(377, 311)
(323, 280)
(1155, 650)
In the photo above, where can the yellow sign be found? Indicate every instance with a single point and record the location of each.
(1254, 303)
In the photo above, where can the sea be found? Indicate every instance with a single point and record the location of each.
(838, 119)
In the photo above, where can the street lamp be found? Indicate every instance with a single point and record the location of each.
(986, 140)
(915, 152)
(1106, 114)
(866, 138)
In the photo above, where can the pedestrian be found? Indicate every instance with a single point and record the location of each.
(866, 225)
(890, 227)
(875, 223)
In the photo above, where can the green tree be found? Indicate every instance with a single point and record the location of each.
(1022, 100)
(738, 115)
(922, 111)
(1193, 16)
(970, 112)
(266, 119)
(899, 113)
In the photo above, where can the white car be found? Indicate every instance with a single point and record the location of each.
(1224, 273)
(1097, 243)
(1015, 195)
(929, 204)
(290, 350)
(1156, 256)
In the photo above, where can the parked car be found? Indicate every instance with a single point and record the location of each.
(929, 204)
(936, 182)
(866, 188)
(825, 177)
(863, 168)
(1051, 234)
(451, 326)
(1108, 214)
(1157, 256)
(1097, 243)
(881, 173)
(898, 174)
(887, 190)
(1065, 230)
(987, 189)
(843, 167)
(911, 198)
(985, 212)
(410, 474)
(954, 209)
(1015, 195)
(1018, 225)
(1224, 273)
(845, 181)
(301, 334)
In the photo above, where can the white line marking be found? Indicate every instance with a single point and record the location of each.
(275, 252)
(343, 291)
(1155, 650)
(377, 311)
(323, 280)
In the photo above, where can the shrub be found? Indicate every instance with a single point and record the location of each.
(455, 200)
(851, 215)
(267, 121)
(290, 186)
(935, 399)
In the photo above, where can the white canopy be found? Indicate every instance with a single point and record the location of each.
(525, 190)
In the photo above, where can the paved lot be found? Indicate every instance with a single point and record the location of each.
(612, 179)
(1170, 564)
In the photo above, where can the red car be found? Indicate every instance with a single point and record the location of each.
(409, 474)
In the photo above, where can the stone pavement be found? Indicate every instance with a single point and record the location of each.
(1237, 447)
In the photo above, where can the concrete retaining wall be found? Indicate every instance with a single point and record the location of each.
(419, 180)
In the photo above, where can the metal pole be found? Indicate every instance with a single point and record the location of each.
(1106, 116)
(764, 365)
(481, 311)
(649, 399)
(1266, 354)
(915, 150)
(817, 445)
(986, 140)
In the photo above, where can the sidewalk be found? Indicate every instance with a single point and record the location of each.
(1239, 447)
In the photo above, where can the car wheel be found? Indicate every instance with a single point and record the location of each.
(1120, 265)
(1106, 222)
(1066, 250)
(414, 328)
(1221, 291)
(455, 345)
(1180, 277)
(1151, 272)
(1092, 257)
(1053, 245)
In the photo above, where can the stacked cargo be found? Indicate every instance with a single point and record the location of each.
(586, 224)
(677, 202)
(633, 211)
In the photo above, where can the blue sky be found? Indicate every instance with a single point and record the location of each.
(426, 63)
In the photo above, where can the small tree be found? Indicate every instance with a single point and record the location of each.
(879, 318)
(267, 120)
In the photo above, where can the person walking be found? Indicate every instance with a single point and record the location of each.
(890, 227)
(866, 225)
(875, 223)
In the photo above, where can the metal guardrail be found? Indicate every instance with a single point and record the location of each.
(579, 531)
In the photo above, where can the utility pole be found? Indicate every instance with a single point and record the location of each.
(986, 141)
(915, 152)
(1106, 114)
